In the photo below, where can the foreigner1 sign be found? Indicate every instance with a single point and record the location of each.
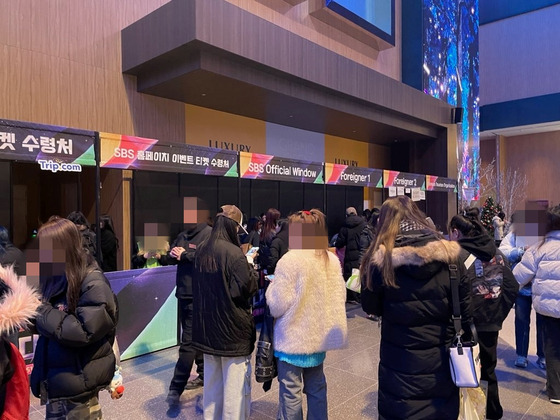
(353, 176)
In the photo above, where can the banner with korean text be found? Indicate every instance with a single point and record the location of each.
(439, 183)
(354, 176)
(259, 166)
(55, 148)
(128, 152)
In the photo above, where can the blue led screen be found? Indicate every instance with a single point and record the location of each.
(376, 16)
(450, 71)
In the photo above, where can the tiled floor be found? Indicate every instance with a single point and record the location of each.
(351, 378)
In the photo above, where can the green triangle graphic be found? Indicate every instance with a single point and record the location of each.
(380, 183)
(87, 158)
(160, 333)
(319, 179)
(232, 171)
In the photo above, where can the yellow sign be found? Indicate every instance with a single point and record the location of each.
(210, 128)
(346, 152)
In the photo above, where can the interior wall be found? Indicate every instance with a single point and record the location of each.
(65, 69)
(296, 18)
(537, 156)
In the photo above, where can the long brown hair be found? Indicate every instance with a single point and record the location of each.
(63, 234)
(269, 227)
(393, 211)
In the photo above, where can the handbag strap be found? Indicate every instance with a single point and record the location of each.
(457, 318)
(455, 300)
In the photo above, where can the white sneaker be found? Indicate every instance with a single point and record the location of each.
(554, 401)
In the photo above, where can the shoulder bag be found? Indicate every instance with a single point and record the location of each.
(464, 357)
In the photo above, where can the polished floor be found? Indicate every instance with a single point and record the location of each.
(351, 378)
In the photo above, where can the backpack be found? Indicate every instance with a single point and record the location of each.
(493, 291)
(489, 276)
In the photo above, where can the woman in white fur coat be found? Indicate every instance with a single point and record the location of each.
(307, 298)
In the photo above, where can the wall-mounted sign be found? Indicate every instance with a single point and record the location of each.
(127, 152)
(52, 146)
(254, 165)
(353, 176)
(439, 183)
(403, 179)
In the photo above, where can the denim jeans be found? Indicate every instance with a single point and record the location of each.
(523, 327)
(290, 398)
(227, 387)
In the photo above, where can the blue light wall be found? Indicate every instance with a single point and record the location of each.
(448, 39)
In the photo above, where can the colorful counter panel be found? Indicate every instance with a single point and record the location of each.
(147, 309)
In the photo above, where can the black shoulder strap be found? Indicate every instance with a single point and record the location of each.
(455, 299)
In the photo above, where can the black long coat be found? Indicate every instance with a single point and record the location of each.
(414, 375)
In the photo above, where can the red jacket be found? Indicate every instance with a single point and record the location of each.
(17, 390)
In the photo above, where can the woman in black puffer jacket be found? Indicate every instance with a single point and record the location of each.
(76, 322)
(223, 327)
(405, 280)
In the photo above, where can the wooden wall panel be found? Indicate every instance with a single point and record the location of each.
(64, 68)
(61, 65)
(537, 156)
(296, 19)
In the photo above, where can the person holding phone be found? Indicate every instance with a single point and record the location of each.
(182, 253)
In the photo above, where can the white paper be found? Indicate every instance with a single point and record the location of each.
(416, 194)
(400, 190)
(422, 194)
(392, 191)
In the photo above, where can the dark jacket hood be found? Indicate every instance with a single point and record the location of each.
(192, 230)
(482, 246)
(353, 221)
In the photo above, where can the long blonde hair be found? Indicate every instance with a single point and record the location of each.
(393, 211)
(63, 234)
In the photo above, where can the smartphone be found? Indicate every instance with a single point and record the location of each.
(269, 277)
(252, 251)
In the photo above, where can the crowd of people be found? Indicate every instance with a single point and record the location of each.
(404, 266)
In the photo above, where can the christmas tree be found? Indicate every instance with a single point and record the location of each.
(489, 210)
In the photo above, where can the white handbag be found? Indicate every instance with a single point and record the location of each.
(464, 358)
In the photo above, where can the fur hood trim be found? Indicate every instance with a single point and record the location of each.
(19, 304)
(440, 250)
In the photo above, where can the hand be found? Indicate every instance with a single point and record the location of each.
(115, 395)
(177, 251)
